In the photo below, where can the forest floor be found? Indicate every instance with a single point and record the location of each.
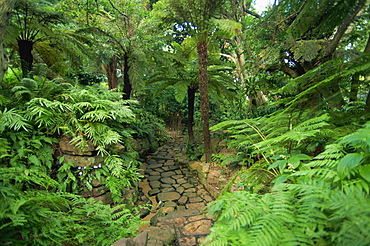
(177, 196)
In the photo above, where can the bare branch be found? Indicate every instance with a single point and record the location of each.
(253, 14)
(119, 11)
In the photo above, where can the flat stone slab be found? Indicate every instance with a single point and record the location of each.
(153, 192)
(181, 181)
(173, 168)
(191, 190)
(177, 171)
(189, 194)
(153, 178)
(187, 241)
(170, 204)
(200, 227)
(195, 199)
(187, 186)
(168, 181)
(151, 162)
(178, 176)
(198, 205)
(165, 169)
(154, 166)
(164, 236)
(180, 189)
(169, 163)
(207, 198)
(168, 196)
(182, 213)
(168, 174)
(162, 158)
(155, 184)
(183, 200)
(168, 189)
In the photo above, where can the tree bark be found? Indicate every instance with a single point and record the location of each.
(367, 50)
(191, 100)
(367, 108)
(203, 89)
(25, 52)
(5, 7)
(127, 87)
(354, 87)
(110, 71)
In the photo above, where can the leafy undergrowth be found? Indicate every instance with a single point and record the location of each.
(315, 200)
(39, 201)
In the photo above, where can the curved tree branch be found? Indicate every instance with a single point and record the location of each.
(119, 11)
(342, 29)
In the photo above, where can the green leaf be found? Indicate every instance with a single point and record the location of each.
(303, 157)
(71, 176)
(216, 206)
(88, 185)
(27, 172)
(365, 172)
(281, 178)
(348, 163)
(280, 163)
(355, 138)
(34, 160)
(294, 161)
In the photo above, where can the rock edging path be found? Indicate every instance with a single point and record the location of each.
(178, 200)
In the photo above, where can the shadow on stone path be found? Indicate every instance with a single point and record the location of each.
(178, 199)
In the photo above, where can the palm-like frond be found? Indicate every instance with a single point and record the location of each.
(12, 119)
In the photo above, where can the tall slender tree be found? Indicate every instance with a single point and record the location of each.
(199, 14)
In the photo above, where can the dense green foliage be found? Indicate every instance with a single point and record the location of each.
(289, 94)
(40, 189)
(324, 202)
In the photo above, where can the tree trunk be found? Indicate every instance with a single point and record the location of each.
(127, 87)
(25, 52)
(203, 89)
(5, 7)
(191, 100)
(354, 87)
(110, 71)
(367, 108)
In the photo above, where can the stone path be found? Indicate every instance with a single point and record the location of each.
(178, 199)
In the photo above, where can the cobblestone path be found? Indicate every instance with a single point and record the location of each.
(178, 198)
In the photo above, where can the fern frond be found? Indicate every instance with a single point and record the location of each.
(13, 120)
